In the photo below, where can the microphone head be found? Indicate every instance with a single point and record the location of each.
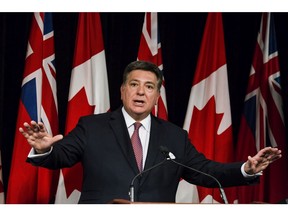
(164, 150)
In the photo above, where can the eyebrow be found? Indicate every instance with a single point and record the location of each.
(149, 82)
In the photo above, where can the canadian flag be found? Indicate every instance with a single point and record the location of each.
(208, 117)
(88, 94)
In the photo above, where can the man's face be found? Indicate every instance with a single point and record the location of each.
(140, 94)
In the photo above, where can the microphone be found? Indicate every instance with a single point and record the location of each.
(131, 192)
(170, 156)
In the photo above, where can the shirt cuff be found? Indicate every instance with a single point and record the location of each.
(33, 154)
(246, 175)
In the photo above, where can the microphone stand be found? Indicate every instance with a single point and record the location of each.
(172, 157)
(222, 193)
(131, 191)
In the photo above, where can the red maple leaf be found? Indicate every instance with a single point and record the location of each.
(203, 133)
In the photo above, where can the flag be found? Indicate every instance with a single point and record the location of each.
(88, 94)
(1, 183)
(150, 50)
(208, 117)
(262, 123)
(27, 183)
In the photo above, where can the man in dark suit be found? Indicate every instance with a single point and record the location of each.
(102, 144)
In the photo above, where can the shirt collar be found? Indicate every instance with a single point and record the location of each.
(130, 121)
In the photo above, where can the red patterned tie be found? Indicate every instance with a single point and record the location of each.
(137, 146)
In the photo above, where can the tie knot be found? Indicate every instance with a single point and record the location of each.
(137, 125)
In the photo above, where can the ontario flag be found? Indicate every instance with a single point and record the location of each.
(1, 183)
(38, 102)
(150, 50)
(208, 117)
(88, 94)
(262, 122)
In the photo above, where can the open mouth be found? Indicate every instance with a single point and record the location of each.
(138, 102)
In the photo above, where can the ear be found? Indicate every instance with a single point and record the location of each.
(122, 87)
(122, 90)
(156, 102)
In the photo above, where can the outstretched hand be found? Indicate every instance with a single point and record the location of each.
(262, 160)
(38, 137)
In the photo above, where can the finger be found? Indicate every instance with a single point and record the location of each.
(28, 128)
(271, 153)
(249, 162)
(33, 122)
(57, 138)
(257, 162)
(274, 158)
(21, 130)
(35, 127)
(41, 127)
(25, 134)
(274, 154)
(252, 160)
(265, 152)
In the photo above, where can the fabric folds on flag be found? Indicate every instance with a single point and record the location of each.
(262, 123)
(88, 94)
(208, 117)
(27, 183)
(150, 50)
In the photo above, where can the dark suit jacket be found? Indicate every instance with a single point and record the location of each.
(102, 143)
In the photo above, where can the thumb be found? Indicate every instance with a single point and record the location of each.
(57, 138)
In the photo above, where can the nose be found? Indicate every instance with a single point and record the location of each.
(140, 89)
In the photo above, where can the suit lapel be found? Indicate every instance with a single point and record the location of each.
(154, 144)
(120, 131)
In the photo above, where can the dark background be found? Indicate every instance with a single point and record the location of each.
(180, 34)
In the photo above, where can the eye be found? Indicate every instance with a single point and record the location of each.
(133, 84)
(150, 87)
